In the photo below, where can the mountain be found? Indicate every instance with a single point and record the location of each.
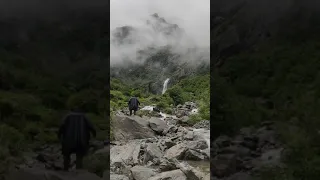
(266, 69)
(149, 54)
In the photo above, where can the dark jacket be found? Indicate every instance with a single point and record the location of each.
(133, 103)
(74, 133)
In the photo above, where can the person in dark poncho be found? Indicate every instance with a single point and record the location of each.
(133, 105)
(74, 135)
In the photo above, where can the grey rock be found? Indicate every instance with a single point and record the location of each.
(170, 175)
(142, 173)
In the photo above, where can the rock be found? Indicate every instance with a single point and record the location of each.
(168, 143)
(127, 154)
(189, 171)
(224, 165)
(152, 152)
(238, 150)
(133, 127)
(222, 141)
(207, 177)
(247, 131)
(184, 120)
(180, 113)
(177, 151)
(194, 155)
(189, 135)
(266, 137)
(142, 173)
(41, 174)
(170, 175)
(170, 130)
(271, 158)
(202, 124)
(201, 144)
(202, 134)
(166, 165)
(118, 177)
(157, 125)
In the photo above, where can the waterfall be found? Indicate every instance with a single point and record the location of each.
(165, 85)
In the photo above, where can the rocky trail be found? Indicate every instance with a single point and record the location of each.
(165, 147)
(46, 163)
(242, 156)
(162, 147)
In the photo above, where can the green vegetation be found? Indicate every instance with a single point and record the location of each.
(193, 88)
(42, 78)
(278, 82)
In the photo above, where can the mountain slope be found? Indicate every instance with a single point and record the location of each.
(273, 79)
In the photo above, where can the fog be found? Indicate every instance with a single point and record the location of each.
(193, 17)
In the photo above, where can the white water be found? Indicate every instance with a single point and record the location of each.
(165, 85)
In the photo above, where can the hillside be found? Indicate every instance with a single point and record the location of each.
(46, 68)
(268, 71)
(144, 74)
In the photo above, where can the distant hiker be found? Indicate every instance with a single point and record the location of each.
(74, 135)
(133, 105)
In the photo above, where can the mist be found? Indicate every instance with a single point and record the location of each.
(193, 17)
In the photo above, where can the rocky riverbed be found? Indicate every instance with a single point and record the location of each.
(162, 147)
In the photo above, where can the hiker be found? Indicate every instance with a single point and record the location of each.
(74, 135)
(133, 105)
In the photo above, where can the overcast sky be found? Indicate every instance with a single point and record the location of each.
(191, 15)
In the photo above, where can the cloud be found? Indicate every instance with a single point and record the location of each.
(192, 16)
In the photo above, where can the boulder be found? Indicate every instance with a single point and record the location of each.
(131, 127)
(127, 154)
(157, 125)
(177, 151)
(152, 152)
(142, 173)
